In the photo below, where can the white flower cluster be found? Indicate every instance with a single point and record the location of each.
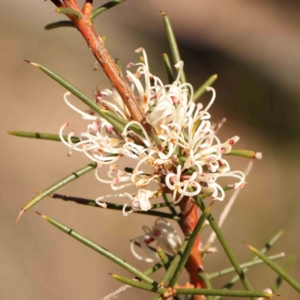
(189, 157)
(163, 234)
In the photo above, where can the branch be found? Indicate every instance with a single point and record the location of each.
(95, 43)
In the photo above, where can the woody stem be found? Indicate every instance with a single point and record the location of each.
(190, 216)
(95, 43)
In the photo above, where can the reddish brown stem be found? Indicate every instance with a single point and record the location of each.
(190, 217)
(108, 65)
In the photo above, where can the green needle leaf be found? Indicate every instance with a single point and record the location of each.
(243, 266)
(70, 11)
(282, 273)
(115, 206)
(99, 249)
(228, 293)
(224, 243)
(59, 24)
(43, 136)
(173, 43)
(266, 248)
(175, 261)
(202, 89)
(190, 239)
(139, 285)
(51, 189)
(163, 257)
(290, 261)
(80, 95)
(245, 153)
(98, 11)
(168, 67)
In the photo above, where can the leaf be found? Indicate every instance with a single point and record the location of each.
(99, 249)
(281, 272)
(228, 293)
(202, 89)
(185, 253)
(245, 153)
(101, 9)
(225, 245)
(43, 136)
(80, 95)
(243, 266)
(266, 248)
(60, 24)
(70, 11)
(119, 207)
(140, 285)
(54, 187)
(173, 43)
(168, 68)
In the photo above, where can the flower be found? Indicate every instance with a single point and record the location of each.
(163, 234)
(188, 158)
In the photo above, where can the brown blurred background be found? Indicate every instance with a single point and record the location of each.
(254, 48)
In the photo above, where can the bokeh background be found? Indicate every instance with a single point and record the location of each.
(254, 48)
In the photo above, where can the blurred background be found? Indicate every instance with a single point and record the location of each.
(254, 48)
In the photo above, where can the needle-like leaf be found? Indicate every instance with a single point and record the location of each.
(172, 43)
(60, 24)
(168, 68)
(225, 293)
(281, 272)
(115, 206)
(225, 245)
(266, 248)
(245, 153)
(101, 9)
(163, 257)
(140, 285)
(80, 95)
(54, 187)
(43, 136)
(99, 249)
(287, 266)
(243, 266)
(185, 253)
(70, 11)
(201, 90)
